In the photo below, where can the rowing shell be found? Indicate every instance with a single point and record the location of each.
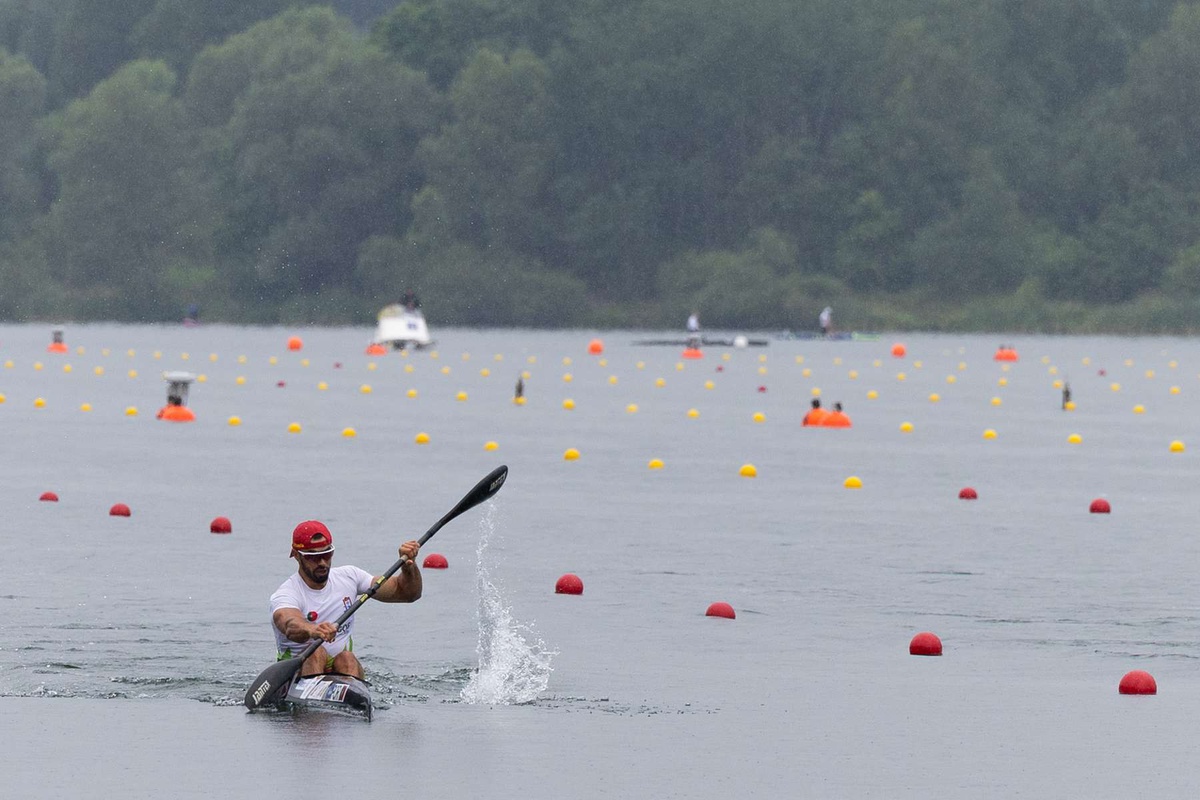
(330, 692)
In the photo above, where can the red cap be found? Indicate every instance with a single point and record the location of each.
(312, 537)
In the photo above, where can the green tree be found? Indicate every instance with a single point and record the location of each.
(127, 219)
(176, 30)
(310, 135)
(22, 102)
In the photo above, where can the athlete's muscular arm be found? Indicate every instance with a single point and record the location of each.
(405, 586)
(296, 628)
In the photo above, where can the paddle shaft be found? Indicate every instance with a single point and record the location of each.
(280, 673)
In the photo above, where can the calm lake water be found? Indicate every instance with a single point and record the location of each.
(128, 642)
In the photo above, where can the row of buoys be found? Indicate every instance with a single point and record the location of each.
(218, 525)
(1135, 681)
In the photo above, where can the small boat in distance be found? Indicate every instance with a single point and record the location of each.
(400, 327)
(332, 691)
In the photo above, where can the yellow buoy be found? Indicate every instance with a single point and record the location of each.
(759, 417)
(1058, 384)
(631, 408)
(531, 360)
(213, 357)
(816, 391)
(567, 361)
(709, 384)
(853, 374)
(322, 386)
(445, 370)
(39, 402)
(806, 372)
(184, 356)
(201, 378)
(568, 404)
(1177, 446)
(951, 378)
(349, 433)
(906, 427)
(568, 377)
(748, 471)
(86, 407)
(234, 421)
(365, 388)
(1075, 438)
(989, 434)
(1139, 409)
(133, 373)
(131, 411)
(422, 438)
(520, 401)
(872, 394)
(466, 356)
(371, 366)
(8, 364)
(273, 360)
(240, 359)
(641, 365)
(461, 397)
(655, 463)
(571, 454)
(241, 380)
(762, 370)
(498, 356)
(900, 376)
(693, 413)
(603, 362)
(483, 373)
(799, 359)
(490, 446)
(1002, 382)
(1116, 387)
(660, 383)
(411, 393)
(66, 367)
(612, 379)
(1070, 406)
(996, 401)
(294, 428)
(99, 371)
(678, 366)
(853, 482)
(1174, 390)
(409, 368)
(935, 397)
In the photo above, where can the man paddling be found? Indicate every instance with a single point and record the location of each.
(305, 606)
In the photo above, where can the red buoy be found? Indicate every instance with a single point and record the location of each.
(220, 525)
(48, 497)
(435, 561)
(720, 610)
(295, 343)
(967, 493)
(1138, 682)
(568, 584)
(281, 384)
(720, 367)
(899, 350)
(1100, 506)
(925, 644)
(119, 510)
(595, 347)
(762, 389)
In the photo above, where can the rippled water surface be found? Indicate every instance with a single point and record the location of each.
(128, 642)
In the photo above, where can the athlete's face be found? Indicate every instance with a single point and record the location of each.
(315, 567)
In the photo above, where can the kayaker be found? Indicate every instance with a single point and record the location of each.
(693, 330)
(306, 605)
(825, 320)
(816, 415)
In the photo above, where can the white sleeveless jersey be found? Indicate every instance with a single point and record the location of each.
(344, 586)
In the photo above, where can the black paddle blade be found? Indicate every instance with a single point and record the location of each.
(482, 491)
(270, 681)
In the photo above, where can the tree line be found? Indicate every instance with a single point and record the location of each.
(603, 162)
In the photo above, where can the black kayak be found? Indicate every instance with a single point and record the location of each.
(330, 692)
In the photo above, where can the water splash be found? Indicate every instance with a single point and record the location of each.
(511, 669)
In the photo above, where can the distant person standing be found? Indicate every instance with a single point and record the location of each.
(693, 329)
(410, 301)
(1066, 395)
(519, 392)
(825, 320)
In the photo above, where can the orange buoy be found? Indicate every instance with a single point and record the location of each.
(568, 584)
(693, 352)
(372, 350)
(435, 561)
(176, 414)
(835, 419)
(967, 493)
(925, 644)
(1006, 354)
(720, 610)
(48, 497)
(56, 347)
(220, 525)
(1138, 682)
(119, 510)
(1100, 506)
(294, 343)
(899, 350)
(595, 347)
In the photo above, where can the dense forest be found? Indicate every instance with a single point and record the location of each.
(937, 164)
